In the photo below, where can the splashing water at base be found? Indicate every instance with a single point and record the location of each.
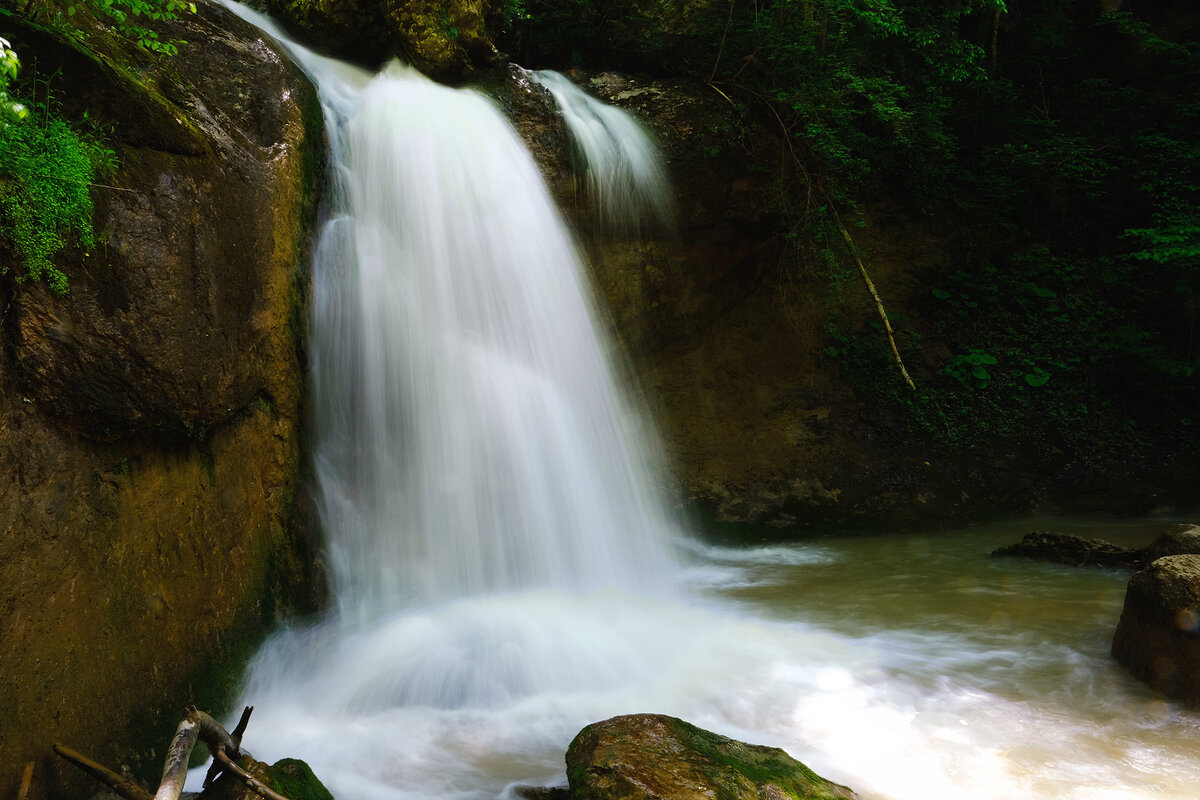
(504, 576)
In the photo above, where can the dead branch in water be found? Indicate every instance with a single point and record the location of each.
(195, 725)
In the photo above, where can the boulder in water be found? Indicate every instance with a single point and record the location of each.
(1179, 540)
(1063, 548)
(651, 756)
(1158, 638)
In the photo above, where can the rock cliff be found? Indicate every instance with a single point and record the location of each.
(151, 419)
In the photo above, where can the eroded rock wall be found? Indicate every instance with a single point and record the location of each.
(151, 419)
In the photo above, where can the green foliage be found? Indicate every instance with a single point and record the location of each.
(131, 17)
(46, 170)
(48, 163)
(10, 65)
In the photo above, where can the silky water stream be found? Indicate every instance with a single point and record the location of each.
(504, 574)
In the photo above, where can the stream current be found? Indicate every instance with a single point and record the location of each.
(504, 573)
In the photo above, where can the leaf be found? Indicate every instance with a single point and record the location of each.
(1038, 377)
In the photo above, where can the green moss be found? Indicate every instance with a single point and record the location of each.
(731, 760)
(295, 780)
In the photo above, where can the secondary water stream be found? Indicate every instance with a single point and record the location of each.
(504, 574)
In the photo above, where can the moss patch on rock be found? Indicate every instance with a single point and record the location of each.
(656, 757)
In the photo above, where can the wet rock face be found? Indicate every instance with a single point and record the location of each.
(172, 325)
(1158, 638)
(150, 420)
(655, 757)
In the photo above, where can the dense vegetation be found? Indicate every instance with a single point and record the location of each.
(49, 163)
(1055, 142)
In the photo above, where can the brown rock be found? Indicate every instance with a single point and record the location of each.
(150, 420)
(1075, 551)
(1158, 637)
(1180, 540)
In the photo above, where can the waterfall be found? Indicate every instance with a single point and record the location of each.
(479, 470)
(471, 438)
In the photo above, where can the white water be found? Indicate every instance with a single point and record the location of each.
(503, 574)
(623, 175)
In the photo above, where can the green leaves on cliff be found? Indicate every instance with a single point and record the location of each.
(48, 164)
(46, 171)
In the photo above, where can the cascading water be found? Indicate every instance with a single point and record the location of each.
(623, 176)
(482, 447)
(503, 573)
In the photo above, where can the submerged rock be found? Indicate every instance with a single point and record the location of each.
(1158, 638)
(1063, 548)
(656, 757)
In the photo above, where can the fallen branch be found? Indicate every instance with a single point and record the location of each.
(195, 725)
(211, 734)
(118, 783)
(254, 783)
(862, 269)
(26, 779)
(178, 753)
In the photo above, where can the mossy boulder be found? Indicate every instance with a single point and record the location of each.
(656, 757)
(290, 777)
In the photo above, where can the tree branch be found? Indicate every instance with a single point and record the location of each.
(178, 753)
(254, 783)
(118, 783)
(26, 779)
(195, 725)
(862, 269)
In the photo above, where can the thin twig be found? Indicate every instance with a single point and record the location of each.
(887, 325)
(721, 49)
(84, 183)
(118, 783)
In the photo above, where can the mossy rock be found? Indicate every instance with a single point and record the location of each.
(445, 39)
(655, 757)
(290, 777)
